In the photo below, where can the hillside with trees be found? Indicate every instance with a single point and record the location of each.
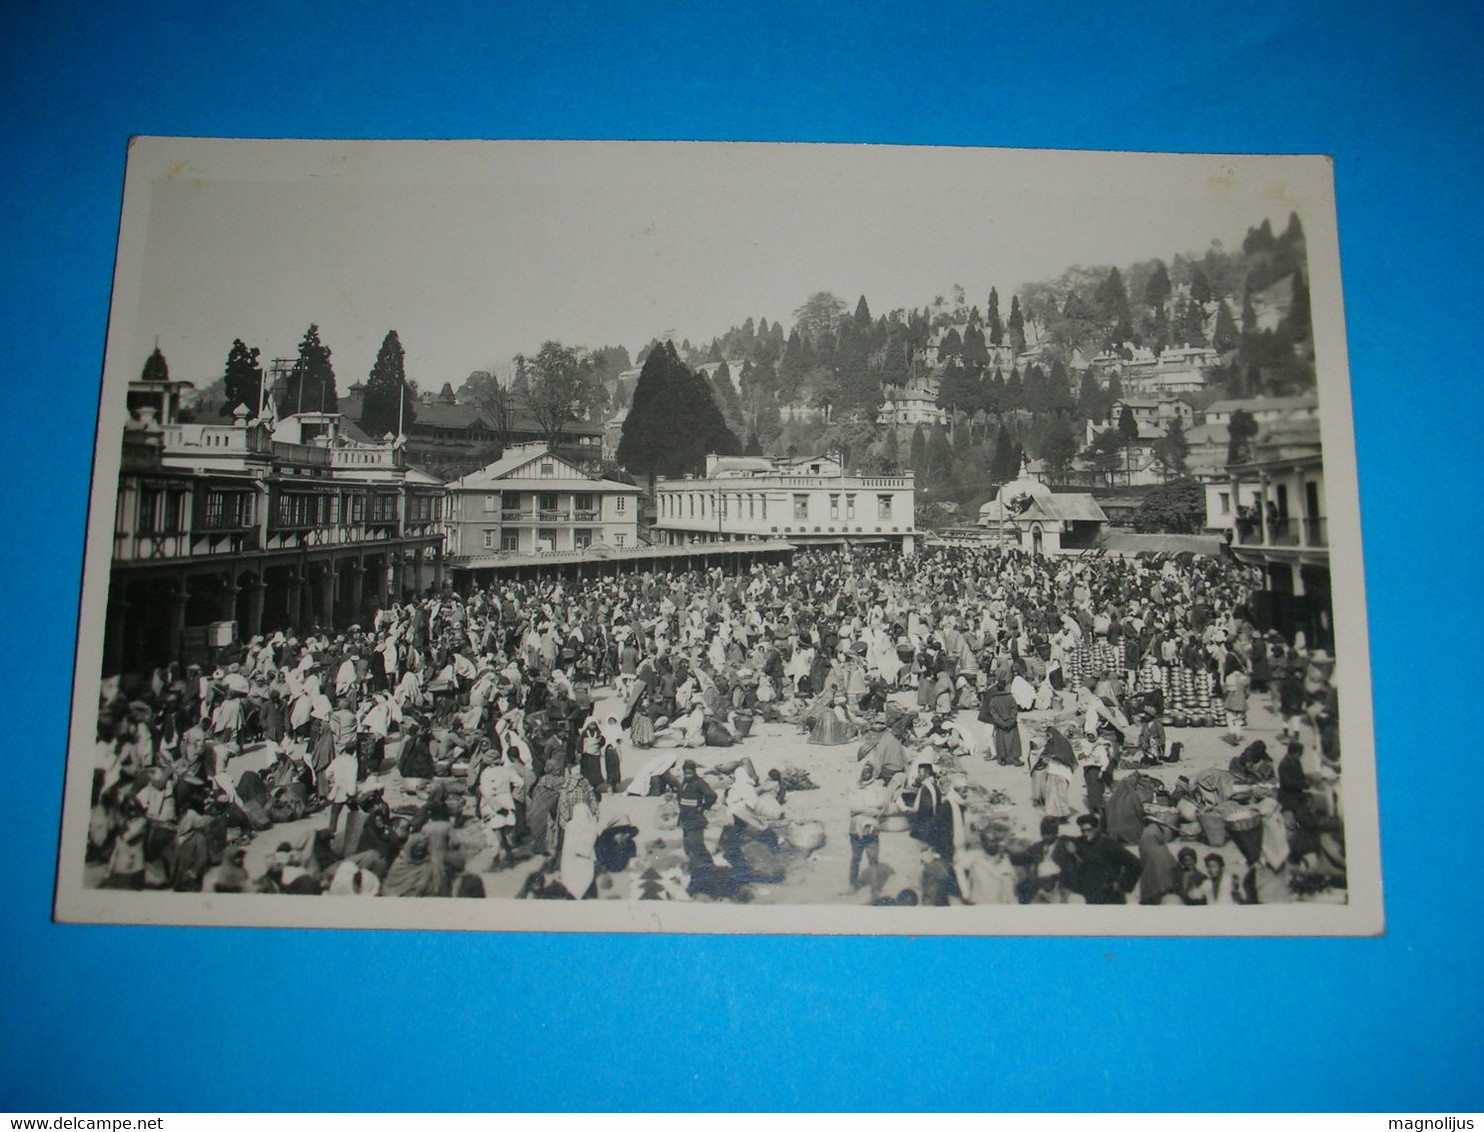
(1014, 381)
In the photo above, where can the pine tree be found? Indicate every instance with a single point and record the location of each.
(862, 315)
(727, 399)
(1113, 309)
(754, 446)
(992, 315)
(1174, 449)
(1059, 448)
(311, 383)
(387, 384)
(1092, 401)
(1017, 326)
(1241, 430)
(950, 345)
(939, 458)
(1297, 325)
(917, 452)
(673, 422)
(890, 450)
(1157, 290)
(1195, 324)
(242, 382)
(1224, 336)
(1200, 286)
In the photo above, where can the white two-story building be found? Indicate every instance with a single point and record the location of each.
(808, 501)
(531, 501)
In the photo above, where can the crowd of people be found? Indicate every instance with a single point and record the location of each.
(517, 723)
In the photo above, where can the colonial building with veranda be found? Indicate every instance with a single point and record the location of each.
(807, 501)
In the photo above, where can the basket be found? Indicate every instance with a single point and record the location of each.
(742, 723)
(1213, 826)
(1240, 821)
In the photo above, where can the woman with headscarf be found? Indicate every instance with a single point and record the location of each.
(1053, 774)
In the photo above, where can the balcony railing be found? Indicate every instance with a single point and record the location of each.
(514, 515)
(554, 516)
(1283, 531)
(586, 516)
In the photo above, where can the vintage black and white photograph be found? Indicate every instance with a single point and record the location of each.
(723, 538)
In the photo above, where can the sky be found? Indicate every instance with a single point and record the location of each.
(474, 252)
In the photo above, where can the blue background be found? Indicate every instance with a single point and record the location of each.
(110, 1018)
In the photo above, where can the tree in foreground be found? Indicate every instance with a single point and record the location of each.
(1177, 508)
(1059, 448)
(1172, 450)
(484, 390)
(560, 387)
(385, 388)
(673, 421)
(1241, 430)
(242, 381)
(311, 383)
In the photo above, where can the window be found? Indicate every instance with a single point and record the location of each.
(548, 468)
(621, 503)
(149, 504)
(850, 507)
(883, 507)
(582, 538)
(510, 540)
(834, 506)
(489, 539)
(548, 501)
(1226, 502)
(723, 510)
(583, 501)
(510, 500)
(355, 508)
(618, 539)
(801, 507)
(546, 540)
(490, 504)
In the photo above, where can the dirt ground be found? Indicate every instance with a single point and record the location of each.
(820, 877)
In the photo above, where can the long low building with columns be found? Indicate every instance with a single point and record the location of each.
(225, 531)
(808, 501)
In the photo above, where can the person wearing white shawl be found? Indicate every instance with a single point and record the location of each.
(345, 676)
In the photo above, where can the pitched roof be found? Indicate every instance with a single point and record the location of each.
(572, 479)
(1069, 507)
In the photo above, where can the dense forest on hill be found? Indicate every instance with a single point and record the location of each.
(1017, 379)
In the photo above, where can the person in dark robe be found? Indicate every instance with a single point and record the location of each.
(1293, 780)
(1124, 812)
(541, 808)
(1095, 866)
(1254, 765)
(1157, 867)
(1001, 712)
